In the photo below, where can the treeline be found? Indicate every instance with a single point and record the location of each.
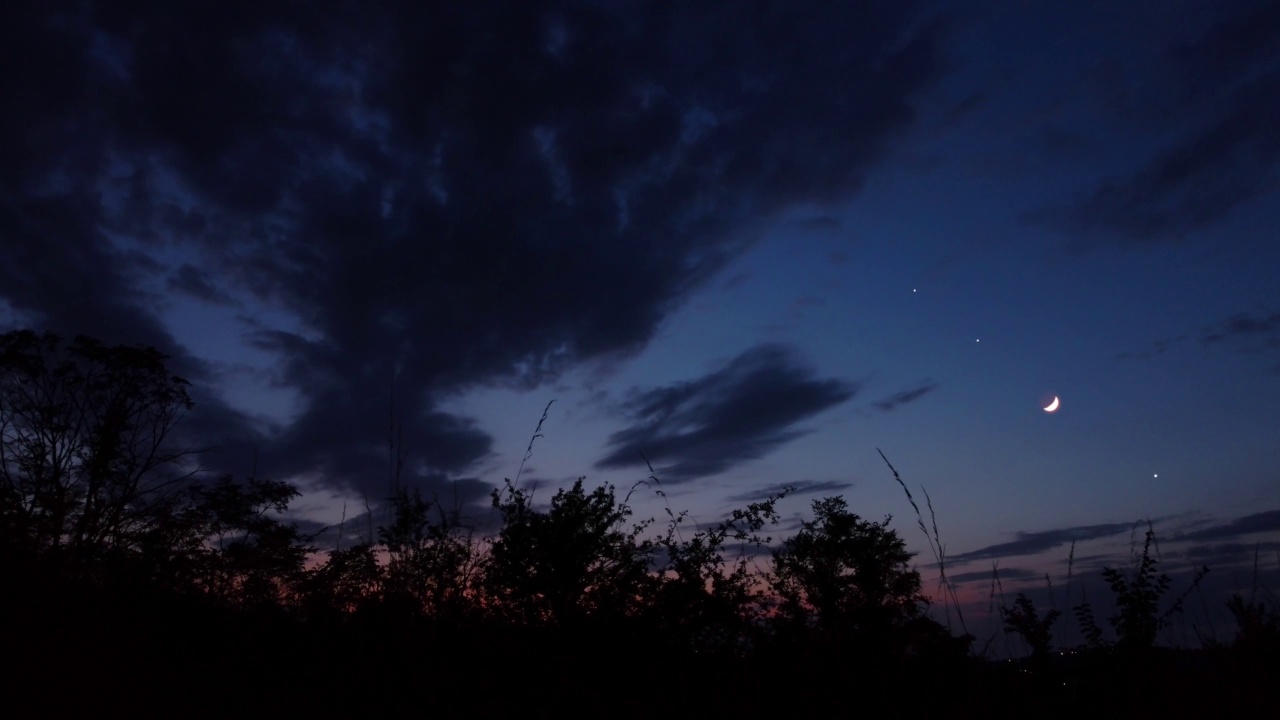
(131, 583)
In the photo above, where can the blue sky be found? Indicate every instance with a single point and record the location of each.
(755, 245)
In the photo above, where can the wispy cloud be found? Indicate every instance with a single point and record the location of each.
(189, 280)
(1245, 326)
(903, 397)
(1034, 543)
(1218, 555)
(1225, 154)
(1262, 522)
(738, 413)
(799, 487)
(1243, 331)
(1188, 186)
(1158, 348)
(986, 575)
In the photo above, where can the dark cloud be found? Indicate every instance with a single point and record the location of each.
(1245, 326)
(1095, 560)
(1221, 92)
(1034, 543)
(1219, 555)
(1245, 37)
(434, 196)
(1159, 347)
(1247, 332)
(799, 487)
(738, 413)
(1262, 522)
(986, 575)
(903, 397)
(819, 223)
(962, 109)
(190, 281)
(1063, 143)
(461, 502)
(1191, 184)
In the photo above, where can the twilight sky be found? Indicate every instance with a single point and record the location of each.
(753, 241)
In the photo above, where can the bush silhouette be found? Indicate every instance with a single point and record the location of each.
(1036, 630)
(704, 603)
(1137, 595)
(232, 550)
(433, 565)
(575, 561)
(1257, 638)
(116, 564)
(88, 462)
(846, 581)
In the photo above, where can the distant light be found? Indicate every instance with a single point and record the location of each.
(913, 289)
(978, 340)
(1156, 475)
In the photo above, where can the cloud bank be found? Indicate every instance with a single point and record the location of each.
(706, 426)
(398, 201)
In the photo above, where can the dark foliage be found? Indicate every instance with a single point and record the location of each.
(846, 580)
(1257, 629)
(706, 603)
(86, 460)
(575, 562)
(1138, 618)
(226, 545)
(433, 564)
(1024, 620)
(148, 589)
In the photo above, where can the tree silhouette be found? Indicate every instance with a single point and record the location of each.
(349, 582)
(1257, 639)
(226, 543)
(1035, 629)
(114, 568)
(576, 561)
(86, 456)
(842, 578)
(434, 565)
(704, 603)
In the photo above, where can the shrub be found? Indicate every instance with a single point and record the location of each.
(841, 576)
(575, 561)
(1138, 618)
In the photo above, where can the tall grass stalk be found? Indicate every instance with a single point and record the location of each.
(1071, 564)
(528, 451)
(935, 544)
(653, 475)
(997, 585)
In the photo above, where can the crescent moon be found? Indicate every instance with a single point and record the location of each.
(1053, 406)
